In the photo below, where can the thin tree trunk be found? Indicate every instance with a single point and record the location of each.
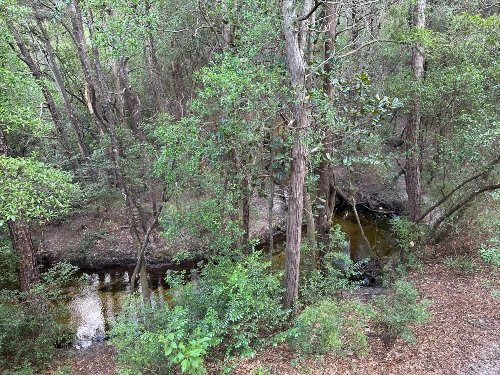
(270, 217)
(25, 56)
(154, 80)
(84, 152)
(325, 168)
(299, 124)
(311, 229)
(20, 237)
(484, 174)
(461, 204)
(245, 212)
(412, 175)
(132, 101)
(368, 246)
(119, 171)
(78, 35)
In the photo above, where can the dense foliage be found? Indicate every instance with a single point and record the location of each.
(35, 323)
(198, 111)
(231, 308)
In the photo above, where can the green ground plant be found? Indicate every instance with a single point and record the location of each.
(33, 323)
(230, 308)
(463, 264)
(398, 311)
(330, 326)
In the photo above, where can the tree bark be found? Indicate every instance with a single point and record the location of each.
(20, 237)
(412, 174)
(132, 101)
(78, 35)
(299, 124)
(325, 168)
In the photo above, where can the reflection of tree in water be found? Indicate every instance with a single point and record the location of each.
(101, 300)
(376, 229)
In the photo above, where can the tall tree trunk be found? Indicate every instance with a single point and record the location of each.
(132, 101)
(78, 35)
(25, 56)
(117, 161)
(325, 167)
(20, 237)
(299, 124)
(412, 175)
(154, 81)
(82, 147)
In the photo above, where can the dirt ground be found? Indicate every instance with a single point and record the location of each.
(462, 338)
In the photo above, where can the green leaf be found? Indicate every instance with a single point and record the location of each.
(185, 365)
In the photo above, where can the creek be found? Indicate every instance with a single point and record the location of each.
(105, 290)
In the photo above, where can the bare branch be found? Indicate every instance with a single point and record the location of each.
(352, 52)
(366, 45)
(461, 204)
(447, 196)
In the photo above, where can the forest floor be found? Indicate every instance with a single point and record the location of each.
(462, 336)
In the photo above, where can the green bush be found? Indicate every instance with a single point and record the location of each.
(337, 274)
(9, 260)
(32, 323)
(330, 326)
(462, 264)
(232, 307)
(400, 310)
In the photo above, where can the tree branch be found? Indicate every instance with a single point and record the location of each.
(447, 196)
(313, 9)
(365, 45)
(461, 204)
(351, 52)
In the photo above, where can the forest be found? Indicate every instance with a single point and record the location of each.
(211, 136)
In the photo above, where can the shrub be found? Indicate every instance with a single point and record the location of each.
(462, 264)
(400, 310)
(330, 326)
(232, 308)
(338, 273)
(32, 323)
(9, 261)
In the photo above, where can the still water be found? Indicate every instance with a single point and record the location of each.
(101, 299)
(106, 290)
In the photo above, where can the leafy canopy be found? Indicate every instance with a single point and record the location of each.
(33, 190)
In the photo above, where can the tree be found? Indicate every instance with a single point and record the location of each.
(412, 168)
(30, 191)
(299, 124)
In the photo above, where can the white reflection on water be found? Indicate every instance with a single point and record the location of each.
(87, 314)
(99, 303)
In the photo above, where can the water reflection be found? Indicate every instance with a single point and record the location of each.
(101, 299)
(376, 228)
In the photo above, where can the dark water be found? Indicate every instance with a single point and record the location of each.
(376, 228)
(106, 290)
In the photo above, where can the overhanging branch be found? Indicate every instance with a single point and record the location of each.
(461, 204)
(447, 196)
